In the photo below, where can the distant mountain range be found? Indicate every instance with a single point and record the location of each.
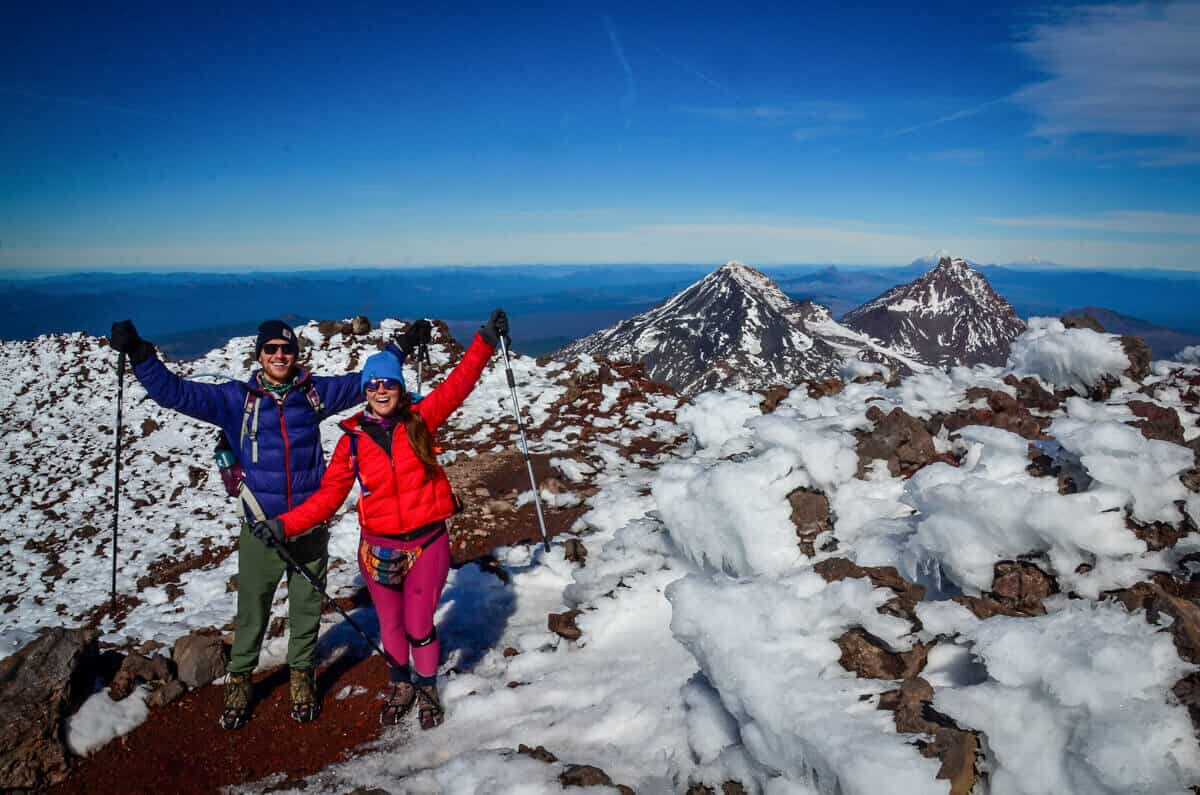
(190, 313)
(736, 328)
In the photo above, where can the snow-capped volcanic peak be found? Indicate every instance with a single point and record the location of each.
(949, 315)
(733, 328)
(936, 257)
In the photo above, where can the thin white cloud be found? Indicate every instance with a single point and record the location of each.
(783, 113)
(1124, 221)
(1160, 158)
(619, 51)
(1123, 69)
(965, 113)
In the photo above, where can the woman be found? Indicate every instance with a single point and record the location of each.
(404, 551)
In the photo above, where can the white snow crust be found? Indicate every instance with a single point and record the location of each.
(709, 644)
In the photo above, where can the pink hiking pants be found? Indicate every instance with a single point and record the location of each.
(407, 611)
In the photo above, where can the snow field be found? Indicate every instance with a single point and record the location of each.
(1071, 358)
(1081, 695)
(612, 699)
(709, 646)
(1077, 695)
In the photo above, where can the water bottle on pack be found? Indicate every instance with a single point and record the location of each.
(228, 465)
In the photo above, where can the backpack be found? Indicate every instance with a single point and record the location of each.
(231, 469)
(250, 415)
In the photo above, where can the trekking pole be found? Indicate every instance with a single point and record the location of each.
(512, 388)
(422, 352)
(117, 477)
(291, 563)
(424, 338)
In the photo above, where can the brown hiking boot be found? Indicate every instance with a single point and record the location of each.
(429, 708)
(236, 710)
(399, 700)
(305, 705)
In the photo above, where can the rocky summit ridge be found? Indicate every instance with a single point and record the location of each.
(735, 328)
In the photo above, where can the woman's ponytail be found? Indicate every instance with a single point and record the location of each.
(420, 439)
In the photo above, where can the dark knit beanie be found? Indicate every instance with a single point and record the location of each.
(275, 330)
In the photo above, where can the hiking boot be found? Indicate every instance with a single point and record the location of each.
(429, 711)
(305, 705)
(236, 710)
(399, 700)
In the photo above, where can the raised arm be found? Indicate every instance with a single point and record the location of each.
(450, 394)
(324, 502)
(213, 403)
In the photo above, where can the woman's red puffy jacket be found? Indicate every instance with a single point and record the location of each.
(399, 498)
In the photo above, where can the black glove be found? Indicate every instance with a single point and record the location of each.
(418, 332)
(495, 328)
(124, 339)
(269, 532)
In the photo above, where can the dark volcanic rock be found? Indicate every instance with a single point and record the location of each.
(1022, 586)
(199, 657)
(867, 656)
(1032, 395)
(1003, 411)
(138, 668)
(957, 748)
(563, 624)
(39, 686)
(826, 388)
(1139, 357)
(774, 396)
(898, 438)
(948, 316)
(1157, 422)
(810, 514)
(539, 753)
(908, 594)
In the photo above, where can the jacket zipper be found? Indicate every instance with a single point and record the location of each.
(287, 454)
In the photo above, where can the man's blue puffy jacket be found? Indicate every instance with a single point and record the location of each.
(290, 459)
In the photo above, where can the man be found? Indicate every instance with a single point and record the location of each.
(272, 423)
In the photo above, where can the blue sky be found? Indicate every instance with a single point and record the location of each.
(388, 134)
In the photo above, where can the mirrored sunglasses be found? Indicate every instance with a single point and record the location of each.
(382, 383)
(271, 348)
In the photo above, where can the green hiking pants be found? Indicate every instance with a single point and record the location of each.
(259, 571)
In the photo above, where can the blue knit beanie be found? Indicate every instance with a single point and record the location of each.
(381, 365)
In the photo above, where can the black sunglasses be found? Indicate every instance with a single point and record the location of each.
(382, 383)
(271, 348)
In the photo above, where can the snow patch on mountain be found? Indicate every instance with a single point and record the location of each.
(736, 329)
(950, 315)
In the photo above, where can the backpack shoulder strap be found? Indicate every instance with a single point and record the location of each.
(250, 425)
(354, 462)
(314, 397)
